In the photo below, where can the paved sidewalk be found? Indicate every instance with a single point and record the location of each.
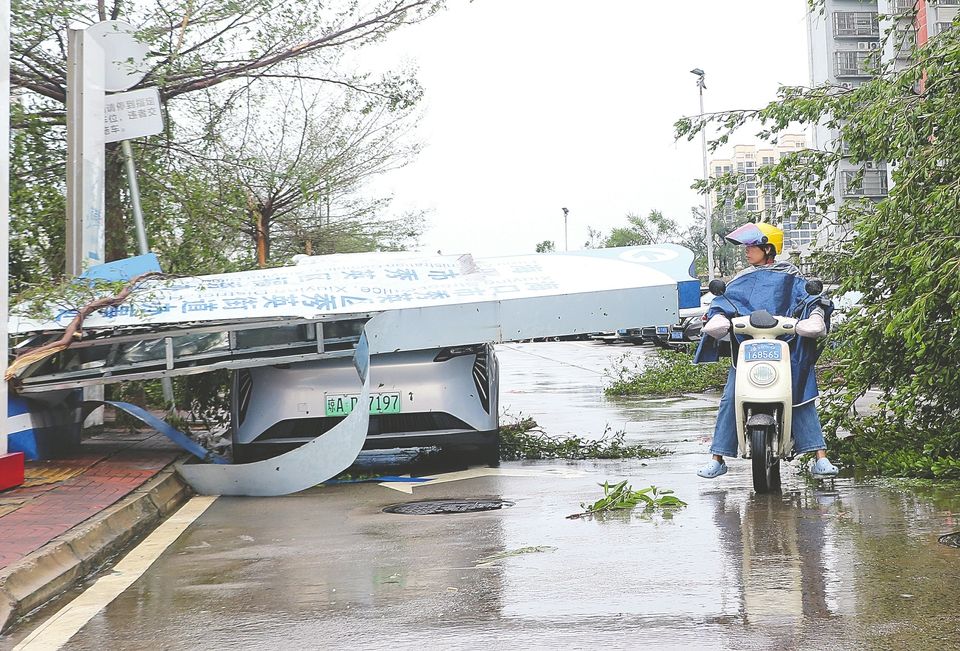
(59, 495)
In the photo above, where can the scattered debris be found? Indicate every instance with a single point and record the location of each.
(493, 558)
(524, 439)
(668, 373)
(622, 497)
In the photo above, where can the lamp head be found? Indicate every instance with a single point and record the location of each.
(698, 71)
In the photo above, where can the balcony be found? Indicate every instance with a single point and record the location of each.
(904, 5)
(855, 63)
(872, 185)
(855, 24)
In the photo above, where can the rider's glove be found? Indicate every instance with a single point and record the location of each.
(813, 326)
(717, 327)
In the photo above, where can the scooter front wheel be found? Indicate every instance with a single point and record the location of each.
(766, 465)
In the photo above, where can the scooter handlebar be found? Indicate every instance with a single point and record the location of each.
(785, 326)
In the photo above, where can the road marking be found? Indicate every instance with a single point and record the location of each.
(57, 631)
(472, 473)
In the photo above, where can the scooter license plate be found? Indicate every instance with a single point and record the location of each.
(762, 352)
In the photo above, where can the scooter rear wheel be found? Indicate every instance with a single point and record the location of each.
(766, 466)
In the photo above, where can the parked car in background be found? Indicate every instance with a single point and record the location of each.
(686, 331)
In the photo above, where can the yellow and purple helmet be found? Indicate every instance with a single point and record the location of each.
(758, 234)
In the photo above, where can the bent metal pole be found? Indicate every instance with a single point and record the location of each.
(135, 197)
(142, 244)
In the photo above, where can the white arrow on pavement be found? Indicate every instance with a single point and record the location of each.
(472, 473)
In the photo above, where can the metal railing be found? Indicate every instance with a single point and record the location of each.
(855, 24)
(854, 63)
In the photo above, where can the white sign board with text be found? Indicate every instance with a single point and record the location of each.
(133, 114)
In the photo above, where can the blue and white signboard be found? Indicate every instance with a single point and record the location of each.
(375, 282)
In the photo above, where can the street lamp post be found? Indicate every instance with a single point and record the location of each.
(566, 246)
(701, 85)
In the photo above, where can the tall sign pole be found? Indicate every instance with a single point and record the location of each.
(86, 153)
(86, 165)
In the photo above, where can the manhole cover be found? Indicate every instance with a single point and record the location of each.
(951, 539)
(443, 507)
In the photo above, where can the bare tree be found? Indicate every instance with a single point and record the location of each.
(300, 164)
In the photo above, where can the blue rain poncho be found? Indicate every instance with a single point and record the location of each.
(780, 290)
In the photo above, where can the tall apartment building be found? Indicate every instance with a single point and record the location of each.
(845, 48)
(745, 160)
(846, 43)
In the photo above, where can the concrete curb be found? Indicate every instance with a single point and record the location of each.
(67, 559)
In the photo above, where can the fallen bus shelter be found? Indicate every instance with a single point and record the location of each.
(355, 305)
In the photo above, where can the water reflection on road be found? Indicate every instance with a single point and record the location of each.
(820, 565)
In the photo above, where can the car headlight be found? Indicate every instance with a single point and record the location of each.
(763, 374)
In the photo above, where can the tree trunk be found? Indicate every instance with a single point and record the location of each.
(261, 229)
(115, 246)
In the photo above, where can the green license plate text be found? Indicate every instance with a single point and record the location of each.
(380, 403)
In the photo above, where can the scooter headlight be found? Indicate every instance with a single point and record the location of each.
(763, 374)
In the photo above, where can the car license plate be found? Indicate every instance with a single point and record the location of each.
(380, 403)
(676, 334)
(767, 352)
(662, 330)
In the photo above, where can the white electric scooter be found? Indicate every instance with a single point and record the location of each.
(764, 388)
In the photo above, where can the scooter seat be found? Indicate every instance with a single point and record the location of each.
(762, 319)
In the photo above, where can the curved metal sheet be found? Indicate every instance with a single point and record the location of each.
(308, 465)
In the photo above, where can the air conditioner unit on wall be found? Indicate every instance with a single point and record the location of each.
(863, 45)
(875, 45)
(870, 165)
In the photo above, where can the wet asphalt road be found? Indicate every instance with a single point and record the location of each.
(850, 565)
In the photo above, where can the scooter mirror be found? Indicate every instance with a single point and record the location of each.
(814, 287)
(717, 287)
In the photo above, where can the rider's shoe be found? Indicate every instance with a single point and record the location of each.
(823, 468)
(713, 469)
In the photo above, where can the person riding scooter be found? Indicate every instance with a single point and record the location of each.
(778, 288)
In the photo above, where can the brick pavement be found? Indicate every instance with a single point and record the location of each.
(108, 467)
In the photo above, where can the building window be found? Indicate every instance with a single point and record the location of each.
(855, 23)
(797, 234)
(905, 5)
(854, 63)
(873, 184)
(940, 28)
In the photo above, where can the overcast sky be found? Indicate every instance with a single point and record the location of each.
(533, 105)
